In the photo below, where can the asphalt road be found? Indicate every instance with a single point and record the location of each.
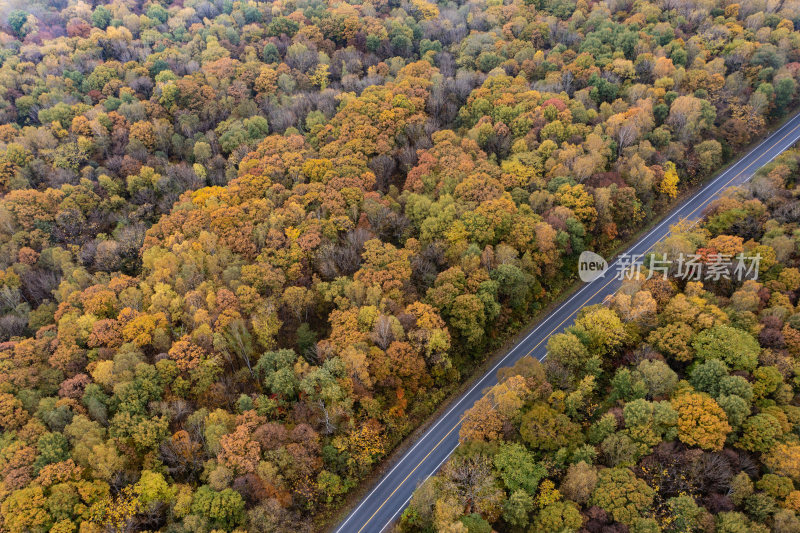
(389, 497)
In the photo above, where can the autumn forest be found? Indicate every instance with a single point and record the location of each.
(246, 247)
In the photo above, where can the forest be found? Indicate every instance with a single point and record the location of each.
(247, 247)
(672, 409)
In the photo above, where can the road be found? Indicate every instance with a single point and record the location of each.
(386, 500)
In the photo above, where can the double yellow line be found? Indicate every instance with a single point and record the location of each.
(587, 300)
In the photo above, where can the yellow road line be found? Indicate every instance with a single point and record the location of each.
(409, 475)
(461, 419)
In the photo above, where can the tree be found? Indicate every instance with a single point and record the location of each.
(468, 317)
(53, 448)
(115, 512)
(105, 460)
(186, 354)
(513, 284)
(689, 116)
(686, 512)
(622, 494)
(559, 517)
(239, 450)
(157, 13)
(544, 428)
(518, 468)
(16, 19)
(225, 509)
(627, 385)
(701, 421)
(481, 422)
(579, 201)
(473, 483)
(603, 329)
(660, 378)
(602, 90)
(475, 522)
(733, 522)
(673, 340)
(736, 408)
(276, 369)
(760, 433)
(330, 485)
(282, 26)
(517, 508)
(419, 512)
(669, 183)
(579, 482)
(320, 77)
(735, 347)
(12, 412)
(364, 445)
(568, 350)
(24, 510)
(706, 376)
(784, 459)
(710, 154)
(785, 89)
(152, 487)
(619, 449)
(101, 17)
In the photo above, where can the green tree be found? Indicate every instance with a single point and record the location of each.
(513, 284)
(282, 25)
(53, 447)
(659, 377)
(518, 468)
(517, 508)
(785, 89)
(101, 17)
(622, 494)
(736, 408)
(706, 376)
(17, 19)
(559, 517)
(760, 433)
(734, 522)
(567, 349)
(475, 523)
(157, 13)
(686, 513)
(276, 369)
(735, 347)
(544, 428)
(225, 509)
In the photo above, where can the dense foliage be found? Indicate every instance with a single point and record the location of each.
(245, 247)
(675, 408)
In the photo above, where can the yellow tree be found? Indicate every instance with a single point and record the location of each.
(116, 513)
(481, 422)
(701, 421)
(784, 459)
(669, 184)
(320, 76)
(365, 444)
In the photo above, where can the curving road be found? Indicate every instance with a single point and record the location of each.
(387, 499)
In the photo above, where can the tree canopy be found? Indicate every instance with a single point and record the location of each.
(246, 247)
